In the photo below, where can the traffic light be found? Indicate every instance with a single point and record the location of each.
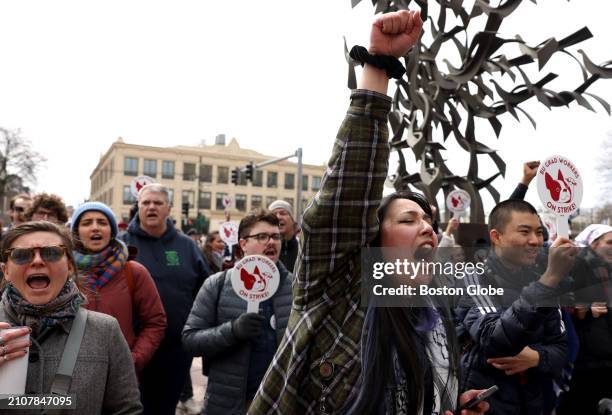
(235, 175)
(249, 171)
(185, 207)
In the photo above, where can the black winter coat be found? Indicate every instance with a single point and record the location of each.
(501, 327)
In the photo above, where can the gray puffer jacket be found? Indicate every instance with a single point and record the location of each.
(208, 333)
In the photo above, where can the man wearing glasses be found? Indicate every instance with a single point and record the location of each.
(48, 207)
(237, 347)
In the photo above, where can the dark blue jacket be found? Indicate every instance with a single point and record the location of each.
(177, 267)
(501, 327)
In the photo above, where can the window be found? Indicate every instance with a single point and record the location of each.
(204, 202)
(289, 200)
(150, 168)
(242, 181)
(316, 183)
(128, 199)
(272, 179)
(110, 196)
(187, 197)
(255, 202)
(258, 178)
(222, 175)
(130, 166)
(206, 173)
(167, 169)
(219, 201)
(304, 182)
(241, 201)
(289, 181)
(171, 197)
(189, 171)
(269, 200)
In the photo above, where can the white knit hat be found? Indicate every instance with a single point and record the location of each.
(281, 204)
(591, 233)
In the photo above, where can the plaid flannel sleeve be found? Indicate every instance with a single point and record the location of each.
(325, 323)
(342, 216)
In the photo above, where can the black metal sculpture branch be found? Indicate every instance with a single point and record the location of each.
(429, 100)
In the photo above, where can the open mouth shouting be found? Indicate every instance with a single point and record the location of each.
(96, 238)
(38, 282)
(271, 253)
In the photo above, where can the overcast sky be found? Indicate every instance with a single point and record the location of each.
(75, 75)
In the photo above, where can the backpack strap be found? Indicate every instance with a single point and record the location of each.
(63, 377)
(220, 289)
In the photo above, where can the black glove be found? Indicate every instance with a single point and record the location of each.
(247, 326)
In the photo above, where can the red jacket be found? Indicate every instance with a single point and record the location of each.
(116, 299)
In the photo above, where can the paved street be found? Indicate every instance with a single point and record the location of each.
(198, 381)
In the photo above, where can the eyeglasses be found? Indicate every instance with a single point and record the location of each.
(23, 256)
(19, 209)
(44, 215)
(263, 237)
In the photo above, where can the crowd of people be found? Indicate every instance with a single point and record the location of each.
(141, 302)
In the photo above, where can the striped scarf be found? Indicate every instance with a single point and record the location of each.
(57, 311)
(97, 269)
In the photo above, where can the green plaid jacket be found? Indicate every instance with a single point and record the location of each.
(318, 361)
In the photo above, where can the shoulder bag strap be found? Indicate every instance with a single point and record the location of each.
(63, 377)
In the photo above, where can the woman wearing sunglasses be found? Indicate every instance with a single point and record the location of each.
(114, 285)
(41, 292)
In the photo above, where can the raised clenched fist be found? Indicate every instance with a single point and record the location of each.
(395, 33)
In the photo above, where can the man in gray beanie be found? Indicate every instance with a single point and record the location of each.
(288, 229)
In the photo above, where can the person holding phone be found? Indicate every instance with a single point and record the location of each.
(517, 340)
(335, 357)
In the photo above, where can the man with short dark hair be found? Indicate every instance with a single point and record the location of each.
(288, 229)
(237, 345)
(518, 341)
(178, 269)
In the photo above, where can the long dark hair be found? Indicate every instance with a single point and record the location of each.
(403, 331)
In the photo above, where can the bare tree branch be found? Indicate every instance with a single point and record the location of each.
(19, 162)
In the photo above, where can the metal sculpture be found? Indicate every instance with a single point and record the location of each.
(430, 101)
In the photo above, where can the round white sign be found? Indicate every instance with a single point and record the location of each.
(138, 183)
(551, 225)
(228, 202)
(559, 185)
(255, 278)
(229, 233)
(458, 201)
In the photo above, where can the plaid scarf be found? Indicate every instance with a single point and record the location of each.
(98, 269)
(59, 310)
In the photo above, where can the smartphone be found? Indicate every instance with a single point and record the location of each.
(477, 399)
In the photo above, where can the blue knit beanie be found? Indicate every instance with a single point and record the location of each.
(97, 206)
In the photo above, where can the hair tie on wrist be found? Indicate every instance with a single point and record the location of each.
(392, 66)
